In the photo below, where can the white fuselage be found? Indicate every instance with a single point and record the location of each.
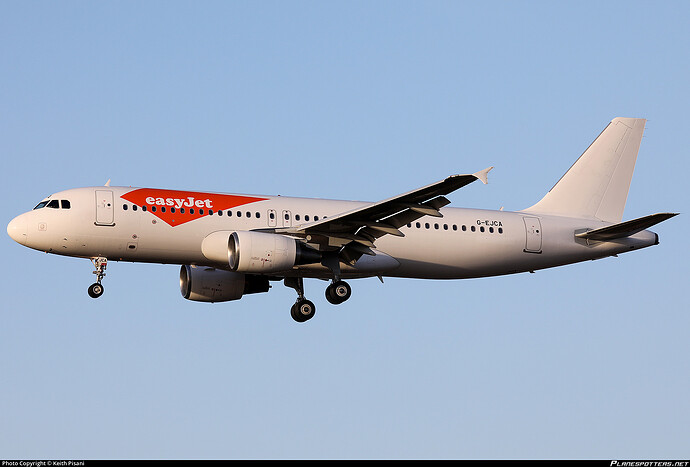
(464, 243)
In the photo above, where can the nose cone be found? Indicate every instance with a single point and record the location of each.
(17, 229)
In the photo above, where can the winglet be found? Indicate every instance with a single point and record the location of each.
(482, 175)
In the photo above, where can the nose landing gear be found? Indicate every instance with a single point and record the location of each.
(96, 289)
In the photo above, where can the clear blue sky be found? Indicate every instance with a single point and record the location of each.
(350, 100)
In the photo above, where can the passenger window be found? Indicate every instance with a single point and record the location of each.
(65, 204)
(124, 207)
(54, 204)
(134, 207)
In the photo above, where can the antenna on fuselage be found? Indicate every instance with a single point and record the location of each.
(107, 183)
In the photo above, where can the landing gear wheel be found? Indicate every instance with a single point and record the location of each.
(338, 292)
(303, 310)
(100, 263)
(95, 290)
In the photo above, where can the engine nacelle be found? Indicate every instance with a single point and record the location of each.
(257, 252)
(204, 284)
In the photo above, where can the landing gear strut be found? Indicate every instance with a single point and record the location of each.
(96, 289)
(303, 309)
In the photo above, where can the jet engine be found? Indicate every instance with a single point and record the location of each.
(204, 284)
(257, 252)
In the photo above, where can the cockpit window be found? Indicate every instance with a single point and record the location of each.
(54, 203)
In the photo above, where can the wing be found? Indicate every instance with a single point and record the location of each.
(353, 233)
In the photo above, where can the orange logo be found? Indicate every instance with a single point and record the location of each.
(179, 207)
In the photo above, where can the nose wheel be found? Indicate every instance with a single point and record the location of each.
(96, 289)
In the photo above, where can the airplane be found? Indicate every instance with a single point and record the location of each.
(230, 245)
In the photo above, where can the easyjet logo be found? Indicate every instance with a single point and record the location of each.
(179, 207)
(190, 202)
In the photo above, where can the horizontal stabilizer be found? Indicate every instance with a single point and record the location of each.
(625, 229)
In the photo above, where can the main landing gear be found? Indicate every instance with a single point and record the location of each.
(303, 309)
(96, 289)
(338, 292)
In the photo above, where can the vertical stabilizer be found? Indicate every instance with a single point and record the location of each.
(597, 185)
